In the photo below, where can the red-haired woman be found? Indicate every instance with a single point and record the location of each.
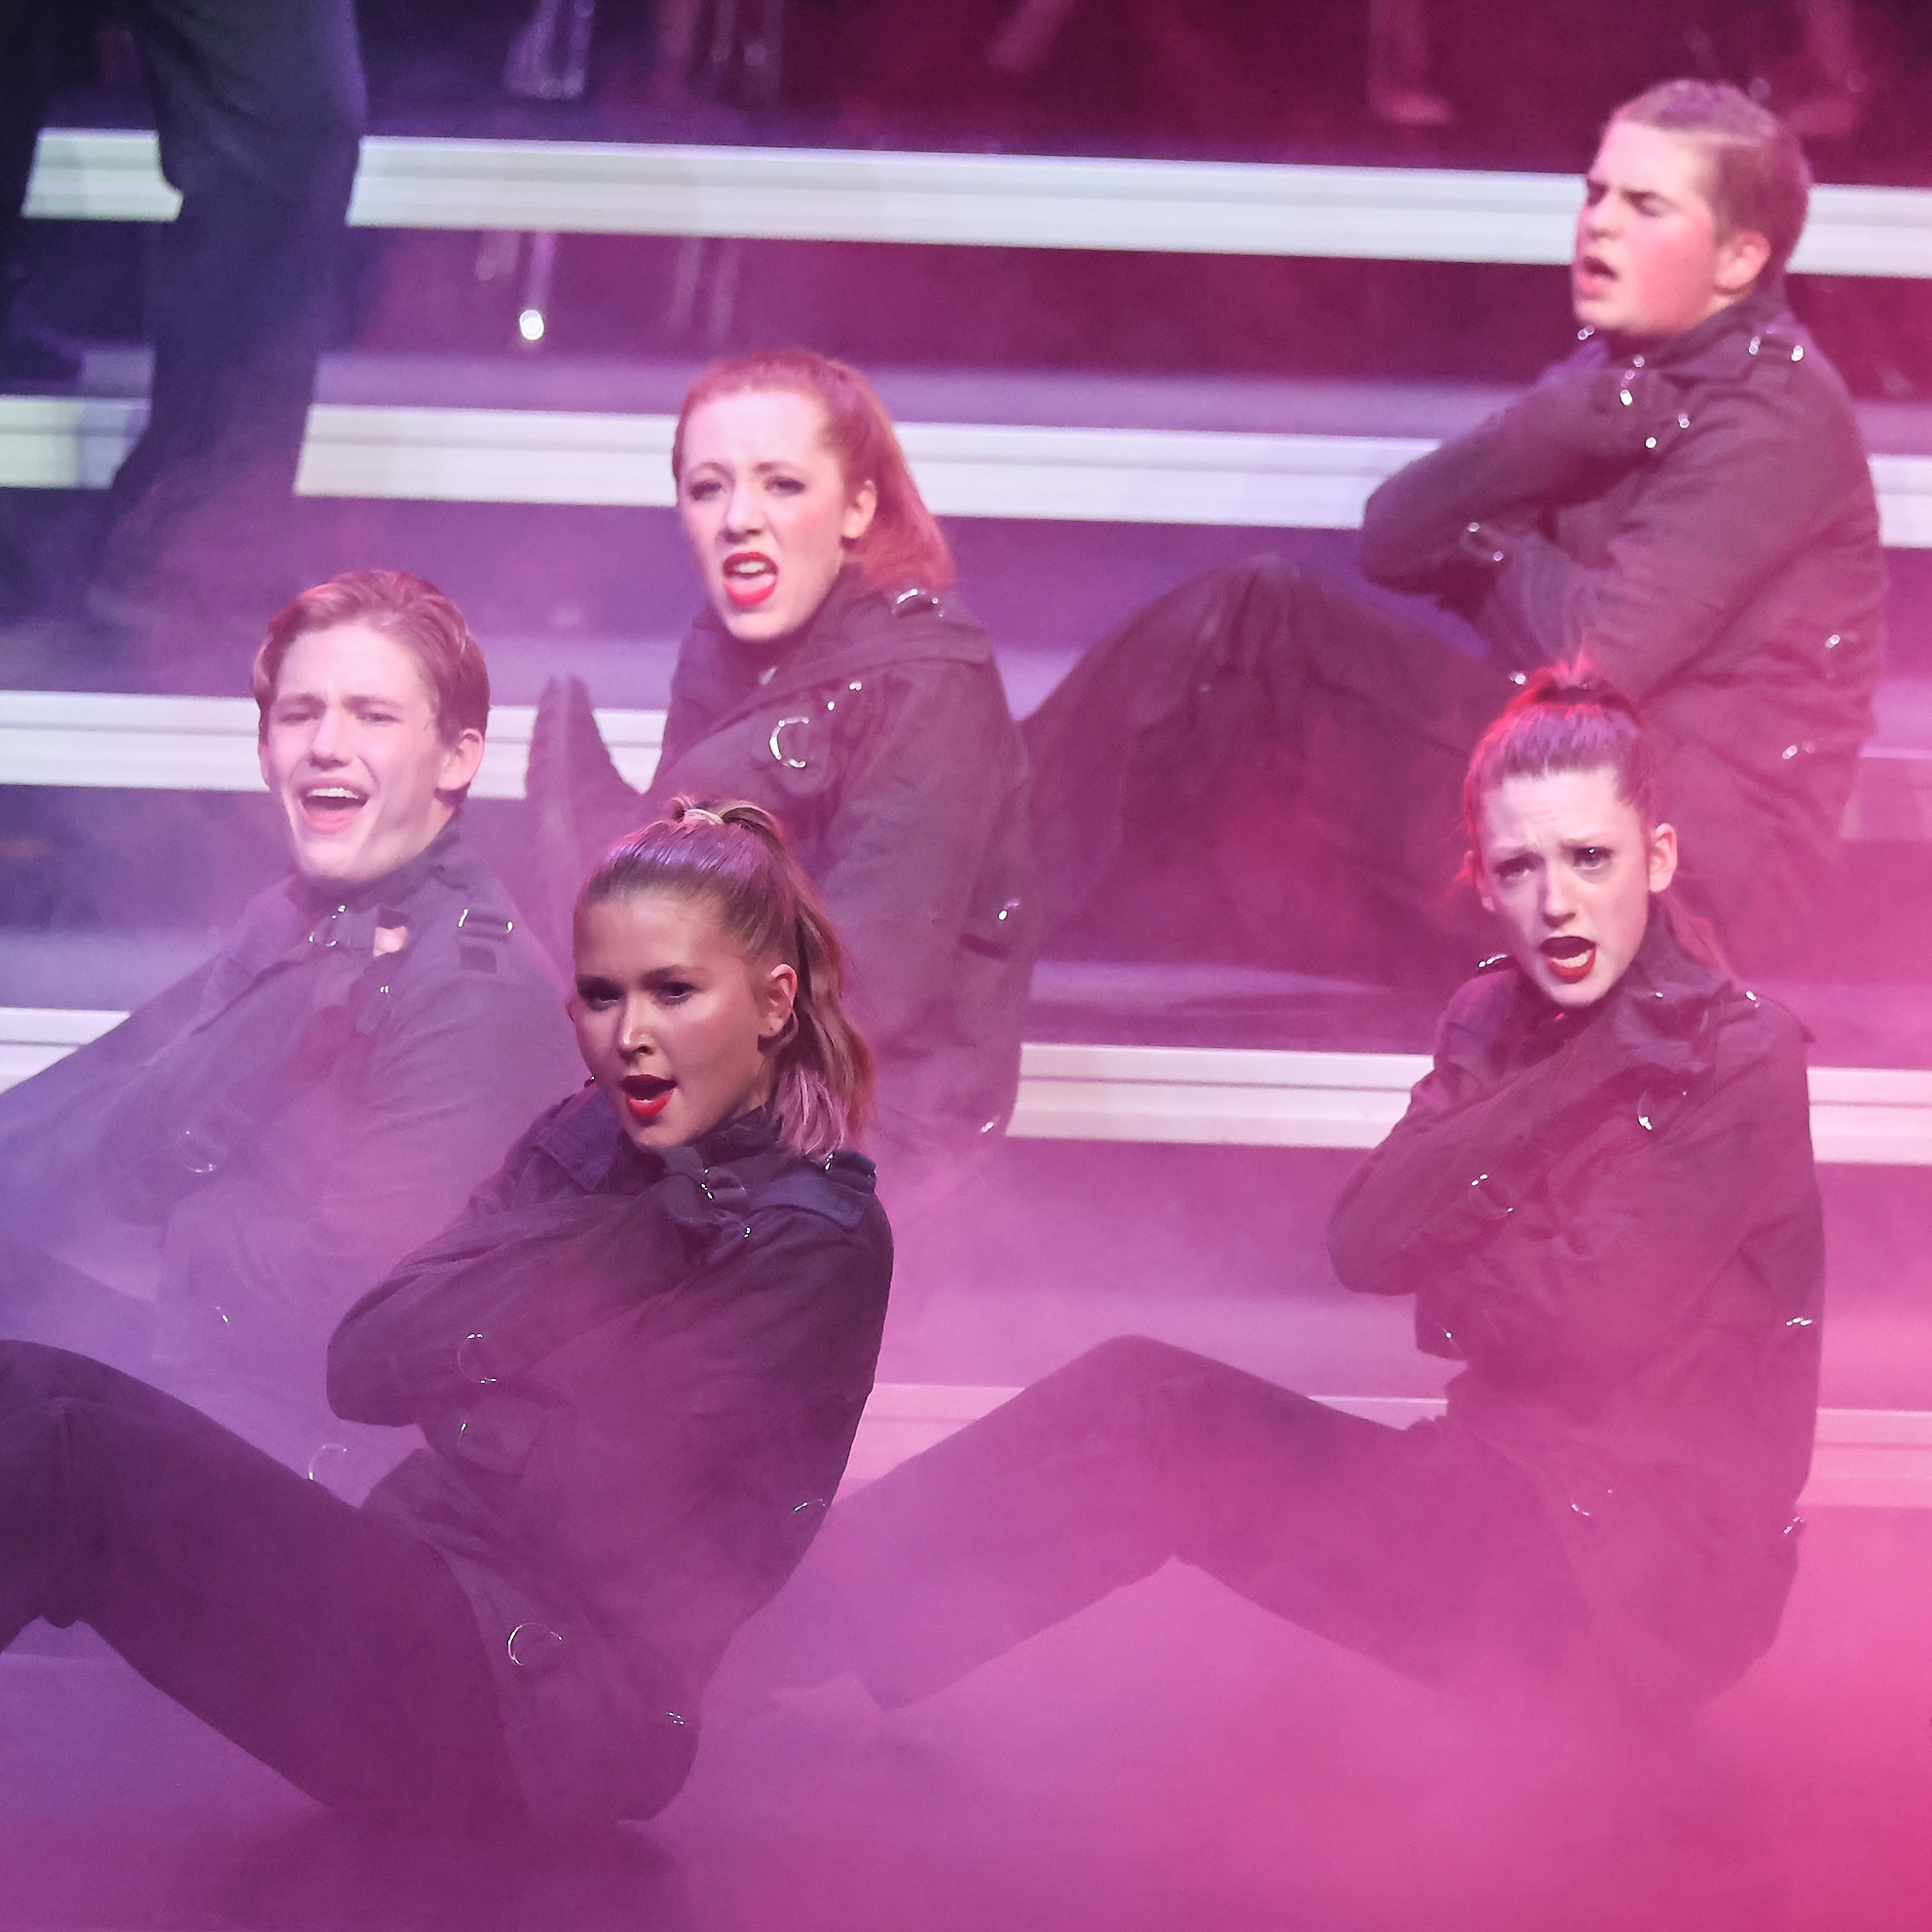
(1601, 1200)
(836, 678)
(637, 1359)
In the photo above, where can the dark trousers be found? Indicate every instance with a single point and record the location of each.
(1420, 1547)
(260, 106)
(1267, 765)
(329, 1641)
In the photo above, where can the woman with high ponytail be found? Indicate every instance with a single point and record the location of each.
(637, 1361)
(735, 857)
(1601, 1200)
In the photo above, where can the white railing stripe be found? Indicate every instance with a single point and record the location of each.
(969, 201)
(1223, 1097)
(118, 740)
(1229, 478)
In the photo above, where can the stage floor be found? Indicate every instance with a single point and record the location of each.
(1173, 1758)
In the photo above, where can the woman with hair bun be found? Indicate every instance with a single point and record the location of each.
(1601, 1200)
(638, 1361)
(835, 677)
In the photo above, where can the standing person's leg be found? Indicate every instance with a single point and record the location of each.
(329, 1643)
(260, 105)
(1422, 1550)
(1275, 708)
(23, 76)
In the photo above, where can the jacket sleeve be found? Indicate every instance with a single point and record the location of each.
(1571, 432)
(909, 838)
(452, 1081)
(712, 1437)
(1601, 1264)
(1683, 564)
(1733, 500)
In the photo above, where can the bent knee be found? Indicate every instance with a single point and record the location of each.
(1127, 1364)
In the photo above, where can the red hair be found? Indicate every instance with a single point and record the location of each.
(902, 542)
(1566, 718)
(1569, 718)
(407, 611)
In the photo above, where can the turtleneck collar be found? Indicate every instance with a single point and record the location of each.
(586, 1141)
(1757, 312)
(393, 888)
(1658, 1012)
(757, 658)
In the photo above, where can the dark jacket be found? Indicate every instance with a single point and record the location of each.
(1699, 521)
(268, 1137)
(639, 1375)
(1612, 1219)
(881, 736)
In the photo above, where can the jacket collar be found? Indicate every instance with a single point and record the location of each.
(1658, 1016)
(446, 858)
(1765, 311)
(311, 919)
(857, 630)
(584, 1139)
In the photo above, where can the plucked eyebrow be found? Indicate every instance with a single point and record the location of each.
(718, 467)
(659, 975)
(1589, 842)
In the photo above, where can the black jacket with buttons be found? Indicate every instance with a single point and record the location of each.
(879, 735)
(639, 1375)
(1611, 1217)
(1699, 520)
(258, 1144)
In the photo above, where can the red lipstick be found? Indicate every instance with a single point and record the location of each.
(750, 579)
(646, 1096)
(1570, 960)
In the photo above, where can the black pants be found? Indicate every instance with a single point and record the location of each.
(260, 106)
(328, 1642)
(1418, 1546)
(1266, 764)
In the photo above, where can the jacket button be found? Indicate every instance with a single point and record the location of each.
(535, 1649)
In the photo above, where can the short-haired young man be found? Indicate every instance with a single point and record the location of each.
(253, 1148)
(1684, 500)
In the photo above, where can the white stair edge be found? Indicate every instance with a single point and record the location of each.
(134, 741)
(1225, 1097)
(1224, 478)
(964, 199)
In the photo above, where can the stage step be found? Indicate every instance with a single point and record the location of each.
(1228, 478)
(976, 201)
(1223, 1096)
(154, 741)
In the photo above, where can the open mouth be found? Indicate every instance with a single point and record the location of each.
(749, 577)
(330, 807)
(1570, 957)
(645, 1095)
(1591, 272)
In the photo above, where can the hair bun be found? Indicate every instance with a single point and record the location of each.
(1578, 683)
